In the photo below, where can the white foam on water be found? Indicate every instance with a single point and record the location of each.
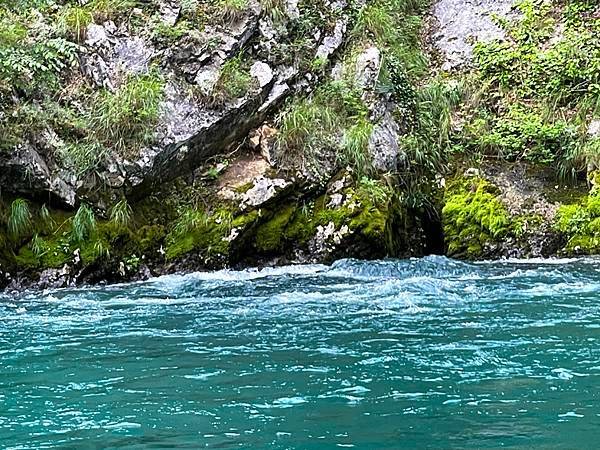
(241, 275)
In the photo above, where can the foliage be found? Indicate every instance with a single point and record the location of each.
(533, 64)
(19, 220)
(334, 117)
(544, 87)
(125, 118)
(75, 20)
(521, 133)
(472, 217)
(580, 223)
(31, 64)
(395, 25)
(83, 224)
(120, 214)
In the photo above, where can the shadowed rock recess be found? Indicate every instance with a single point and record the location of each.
(147, 137)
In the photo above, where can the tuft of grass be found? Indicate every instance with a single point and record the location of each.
(230, 11)
(355, 147)
(103, 10)
(19, 219)
(120, 214)
(126, 117)
(46, 220)
(189, 220)
(75, 20)
(234, 81)
(334, 117)
(428, 142)
(38, 245)
(101, 249)
(395, 26)
(82, 157)
(274, 8)
(83, 224)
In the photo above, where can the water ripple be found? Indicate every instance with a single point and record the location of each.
(429, 353)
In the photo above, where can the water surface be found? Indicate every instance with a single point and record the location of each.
(417, 354)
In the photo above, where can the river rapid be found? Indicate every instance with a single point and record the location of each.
(414, 354)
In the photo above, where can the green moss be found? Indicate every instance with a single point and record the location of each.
(149, 237)
(270, 235)
(580, 223)
(473, 216)
(206, 233)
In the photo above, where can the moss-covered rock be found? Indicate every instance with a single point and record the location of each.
(473, 218)
(580, 223)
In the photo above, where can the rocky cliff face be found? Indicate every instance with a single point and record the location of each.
(143, 137)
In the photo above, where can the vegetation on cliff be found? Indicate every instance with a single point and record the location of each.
(365, 157)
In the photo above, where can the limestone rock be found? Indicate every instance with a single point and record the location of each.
(463, 22)
(367, 68)
(264, 190)
(332, 42)
(383, 144)
(25, 172)
(594, 128)
(262, 72)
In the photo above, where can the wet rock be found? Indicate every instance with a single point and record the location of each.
(327, 241)
(55, 278)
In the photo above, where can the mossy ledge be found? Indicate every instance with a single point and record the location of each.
(174, 232)
(485, 220)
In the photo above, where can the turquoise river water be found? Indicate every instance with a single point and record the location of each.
(416, 354)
